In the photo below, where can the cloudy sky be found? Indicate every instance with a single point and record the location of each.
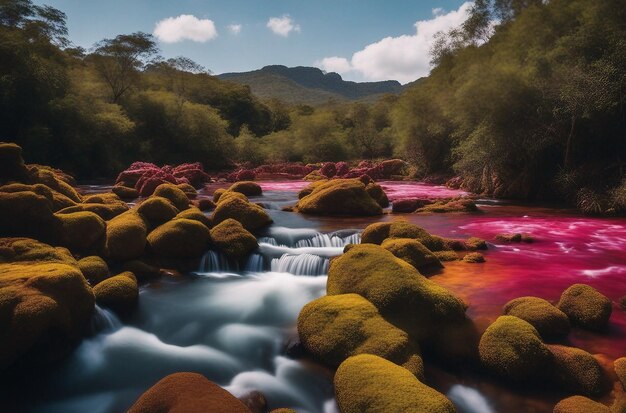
(360, 39)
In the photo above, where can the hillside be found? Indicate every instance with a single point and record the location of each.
(308, 85)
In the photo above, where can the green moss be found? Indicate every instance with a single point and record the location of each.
(378, 194)
(195, 214)
(180, 238)
(368, 383)
(512, 348)
(474, 257)
(378, 232)
(446, 255)
(170, 191)
(120, 293)
(125, 192)
(189, 190)
(413, 252)
(474, 243)
(586, 307)
(231, 238)
(226, 195)
(250, 215)
(312, 186)
(104, 211)
(217, 194)
(400, 293)
(339, 197)
(48, 178)
(126, 236)
(30, 250)
(81, 231)
(283, 410)
(575, 370)
(12, 166)
(580, 404)
(508, 238)
(247, 188)
(94, 268)
(26, 214)
(157, 210)
(103, 198)
(620, 370)
(451, 205)
(549, 321)
(204, 204)
(142, 270)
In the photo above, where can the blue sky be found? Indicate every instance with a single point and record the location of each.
(361, 39)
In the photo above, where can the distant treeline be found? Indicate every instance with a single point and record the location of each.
(526, 100)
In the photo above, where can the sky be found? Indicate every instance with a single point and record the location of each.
(363, 40)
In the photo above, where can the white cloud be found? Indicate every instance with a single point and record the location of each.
(283, 25)
(234, 28)
(185, 27)
(404, 58)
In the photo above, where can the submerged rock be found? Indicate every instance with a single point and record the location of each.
(474, 257)
(549, 321)
(586, 307)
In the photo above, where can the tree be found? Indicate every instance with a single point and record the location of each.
(120, 59)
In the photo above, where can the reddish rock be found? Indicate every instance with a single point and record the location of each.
(329, 170)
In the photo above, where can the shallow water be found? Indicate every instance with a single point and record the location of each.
(233, 325)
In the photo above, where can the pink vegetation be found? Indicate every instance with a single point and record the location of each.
(145, 176)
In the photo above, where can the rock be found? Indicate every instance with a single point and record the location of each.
(176, 196)
(474, 257)
(81, 231)
(328, 170)
(576, 371)
(187, 393)
(311, 187)
(368, 383)
(620, 370)
(508, 238)
(512, 348)
(205, 204)
(57, 200)
(549, 321)
(250, 215)
(125, 192)
(335, 327)
(126, 236)
(413, 252)
(376, 191)
(451, 205)
(180, 238)
(120, 293)
(580, 404)
(157, 210)
(247, 188)
(380, 231)
(393, 167)
(283, 410)
(226, 195)
(106, 211)
(409, 205)
(586, 307)
(94, 268)
(446, 256)
(474, 243)
(217, 194)
(141, 270)
(255, 401)
(12, 166)
(188, 189)
(47, 176)
(233, 240)
(339, 197)
(27, 214)
(407, 299)
(13, 250)
(194, 214)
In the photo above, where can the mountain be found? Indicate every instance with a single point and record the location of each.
(309, 85)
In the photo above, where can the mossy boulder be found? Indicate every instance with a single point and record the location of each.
(157, 210)
(580, 404)
(12, 166)
(247, 188)
(376, 191)
(195, 214)
(368, 383)
(549, 321)
(217, 194)
(13, 250)
(339, 197)
(400, 293)
(231, 194)
(125, 192)
(512, 349)
(57, 200)
(335, 327)
(188, 189)
(575, 370)
(250, 215)
(586, 307)
(120, 293)
(413, 252)
(188, 393)
(446, 256)
(94, 268)
(142, 270)
(204, 204)
(179, 238)
(283, 410)
(43, 175)
(126, 236)
(620, 370)
(449, 205)
(380, 231)
(26, 214)
(474, 258)
(176, 195)
(81, 231)
(105, 211)
(232, 239)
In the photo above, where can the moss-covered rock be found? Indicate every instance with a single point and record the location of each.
(195, 214)
(247, 188)
(179, 238)
(549, 321)
(339, 197)
(368, 383)
(250, 215)
(283, 410)
(445, 256)
(380, 231)
(176, 195)
(187, 393)
(189, 190)
(125, 192)
(204, 204)
(620, 370)
(376, 191)
(474, 257)
(126, 236)
(218, 193)
(450, 205)
(43, 175)
(586, 307)
(14, 250)
(575, 370)
(142, 270)
(413, 252)
(94, 268)
(81, 231)
(400, 293)
(232, 239)
(580, 404)
(120, 293)
(335, 327)
(105, 211)
(157, 210)
(12, 166)
(512, 348)
(57, 200)
(231, 194)
(26, 214)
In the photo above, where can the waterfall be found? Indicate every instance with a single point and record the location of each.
(302, 264)
(304, 237)
(104, 321)
(256, 263)
(213, 261)
(269, 240)
(468, 400)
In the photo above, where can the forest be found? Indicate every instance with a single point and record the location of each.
(525, 100)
